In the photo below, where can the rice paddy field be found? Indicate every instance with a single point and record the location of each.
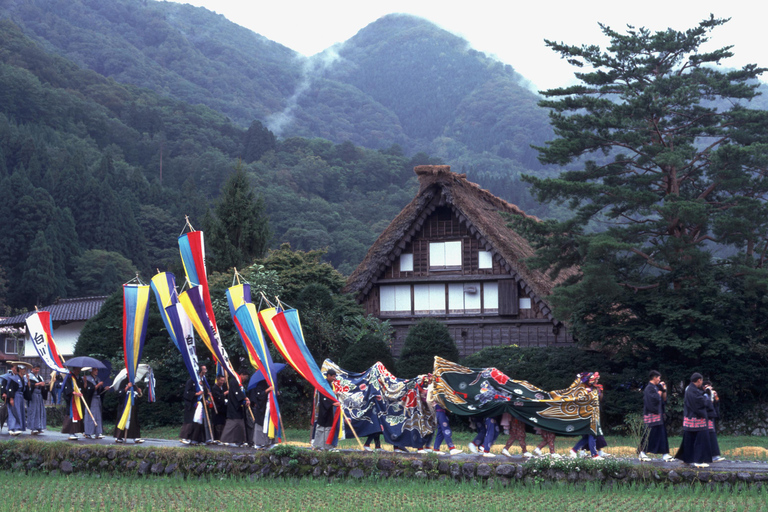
(732, 447)
(83, 494)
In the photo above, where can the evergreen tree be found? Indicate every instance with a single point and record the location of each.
(668, 167)
(39, 283)
(240, 232)
(258, 140)
(425, 340)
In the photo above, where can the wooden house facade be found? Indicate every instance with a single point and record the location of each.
(449, 255)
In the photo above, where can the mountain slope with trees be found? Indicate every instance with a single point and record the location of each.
(401, 80)
(97, 178)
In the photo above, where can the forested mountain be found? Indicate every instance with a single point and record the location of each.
(401, 80)
(97, 177)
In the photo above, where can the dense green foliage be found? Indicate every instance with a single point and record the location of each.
(366, 352)
(238, 232)
(425, 340)
(98, 166)
(670, 222)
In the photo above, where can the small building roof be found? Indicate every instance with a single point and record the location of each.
(63, 310)
(481, 211)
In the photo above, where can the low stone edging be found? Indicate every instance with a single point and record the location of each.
(288, 462)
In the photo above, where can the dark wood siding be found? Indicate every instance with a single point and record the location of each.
(510, 326)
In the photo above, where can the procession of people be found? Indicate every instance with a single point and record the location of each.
(230, 414)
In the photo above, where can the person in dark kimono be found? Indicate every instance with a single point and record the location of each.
(219, 398)
(237, 402)
(17, 421)
(324, 416)
(134, 429)
(4, 396)
(71, 398)
(93, 390)
(191, 432)
(36, 407)
(696, 448)
(713, 413)
(259, 397)
(56, 391)
(654, 438)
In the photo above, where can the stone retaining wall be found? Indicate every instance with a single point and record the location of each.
(64, 459)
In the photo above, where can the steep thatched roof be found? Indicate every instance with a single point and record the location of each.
(480, 210)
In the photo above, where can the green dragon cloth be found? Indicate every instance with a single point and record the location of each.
(488, 392)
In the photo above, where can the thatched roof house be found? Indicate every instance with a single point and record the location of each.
(486, 256)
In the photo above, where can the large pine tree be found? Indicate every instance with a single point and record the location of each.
(667, 180)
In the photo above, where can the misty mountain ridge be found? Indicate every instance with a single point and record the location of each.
(400, 80)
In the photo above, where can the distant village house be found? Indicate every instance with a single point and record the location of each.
(449, 255)
(68, 317)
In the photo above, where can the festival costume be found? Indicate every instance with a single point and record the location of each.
(516, 430)
(713, 412)
(219, 416)
(324, 421)
(17, 420)
(71, 425)
(259, 398)
(444, 432)
(36, 416)
(491, 433)
(92, 396)
(547, 439)
(134, 429)
(655, 435)
(190, 430)
(376, 440)
(234, 428)
(696, 447)
(480, 429)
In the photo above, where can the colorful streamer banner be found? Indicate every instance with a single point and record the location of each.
(284, 328)
(75, 406)
(246, 319)
(40, 328)
(192, 249)
(135, 315)
(197, 300)
(194, 306)
(177, 322)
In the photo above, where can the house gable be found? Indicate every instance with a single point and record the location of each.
(454, 234)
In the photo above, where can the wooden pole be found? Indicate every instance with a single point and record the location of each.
(341, 409)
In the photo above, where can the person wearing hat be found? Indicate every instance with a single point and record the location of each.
(70, 397)
(36, 406)
(93, 389)
(17, 422)
(324, 416)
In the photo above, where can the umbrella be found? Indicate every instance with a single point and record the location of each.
(82, 361)
(258, 376)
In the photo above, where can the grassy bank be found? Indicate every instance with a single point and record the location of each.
(733, 447)
(85, 494)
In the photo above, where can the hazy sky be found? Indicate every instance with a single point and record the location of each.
(510, 30)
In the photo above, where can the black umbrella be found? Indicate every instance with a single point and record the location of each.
(83, 361)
